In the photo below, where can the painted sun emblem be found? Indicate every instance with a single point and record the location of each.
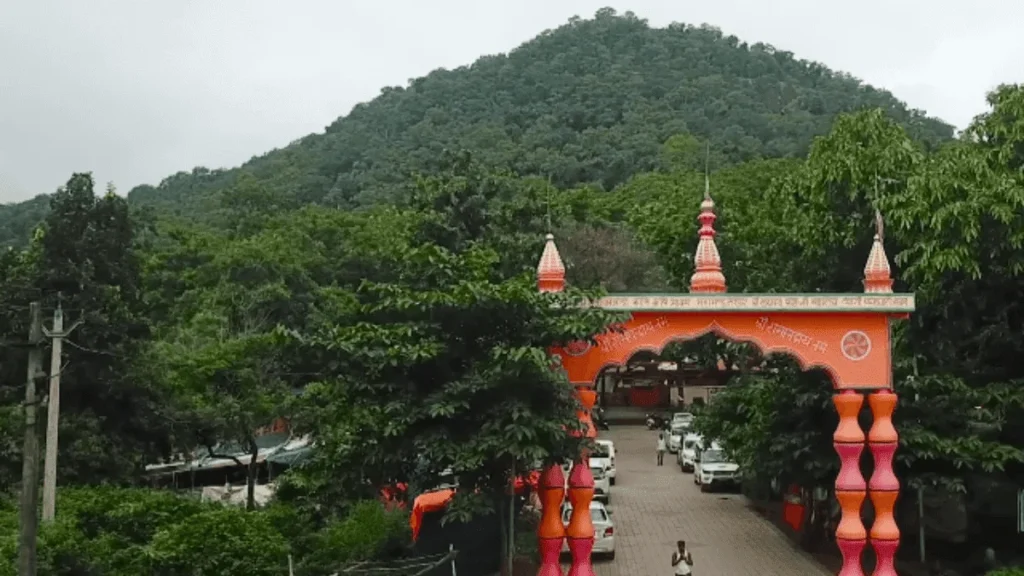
(856, 345)
(577, 348)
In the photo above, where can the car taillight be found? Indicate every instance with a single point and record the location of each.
(609, 531)
(613, 460)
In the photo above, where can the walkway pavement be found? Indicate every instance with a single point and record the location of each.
(653, 507)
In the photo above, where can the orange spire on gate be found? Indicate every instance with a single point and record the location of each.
(877, 274)
(707, 275)
(550, 270)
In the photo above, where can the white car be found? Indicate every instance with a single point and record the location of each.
(682, 417)
(678, 430)
(604, 529)
(688, 451)
(604, 457)
(602, 484)
(714, 469)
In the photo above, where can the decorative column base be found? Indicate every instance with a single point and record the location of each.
(885, 552)
(581, 548)
(550, 530)
(580, 532)
(550, 553)
(851, 551)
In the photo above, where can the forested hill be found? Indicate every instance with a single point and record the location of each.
(593, 101)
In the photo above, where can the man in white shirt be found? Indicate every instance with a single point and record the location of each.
(682, 561)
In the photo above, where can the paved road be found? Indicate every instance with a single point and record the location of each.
(655, 506)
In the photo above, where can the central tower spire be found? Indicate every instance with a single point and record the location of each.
(707, 275)
(550, 269)
(877, 274)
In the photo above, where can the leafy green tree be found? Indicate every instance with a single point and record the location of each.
(446, 367)
(222, 358)
(773, 423)
(84, 259)
(443, 361)
(611, 258)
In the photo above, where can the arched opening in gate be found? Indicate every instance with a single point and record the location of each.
(845, 335)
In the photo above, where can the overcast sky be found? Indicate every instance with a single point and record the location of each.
(136, 90)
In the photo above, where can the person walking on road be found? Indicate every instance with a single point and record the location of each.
(682, 561)
(661, 448)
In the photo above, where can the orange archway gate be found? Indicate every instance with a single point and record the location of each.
(846, 335)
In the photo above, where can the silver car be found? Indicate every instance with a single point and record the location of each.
(714, 468)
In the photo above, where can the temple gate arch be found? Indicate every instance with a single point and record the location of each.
(846, 335)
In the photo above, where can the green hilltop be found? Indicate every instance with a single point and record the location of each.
(594, 101)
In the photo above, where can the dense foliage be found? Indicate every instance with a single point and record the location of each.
(407, 336)
(127, 532)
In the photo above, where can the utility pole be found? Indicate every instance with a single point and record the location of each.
(53, 413)
(30, 455)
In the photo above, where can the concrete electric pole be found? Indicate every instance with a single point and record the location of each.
(53, 413)
(29, 521)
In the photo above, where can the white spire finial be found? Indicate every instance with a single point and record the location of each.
(707, 171)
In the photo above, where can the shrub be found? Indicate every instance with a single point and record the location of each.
(102, 531)
(220, 542)
(370, 531)
(132, 514)
(129, 532)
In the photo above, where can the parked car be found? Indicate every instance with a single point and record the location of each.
(604, 529)
(688, 451)
(714, 469)
(675, 438)
(602, 484)
(682, 417)
(604, 456)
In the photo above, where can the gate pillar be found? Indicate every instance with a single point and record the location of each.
(884, 486)
(848, 441)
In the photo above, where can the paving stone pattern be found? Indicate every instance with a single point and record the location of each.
(654, 506)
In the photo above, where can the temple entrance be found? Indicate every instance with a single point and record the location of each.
(846, 335)
(650, 382)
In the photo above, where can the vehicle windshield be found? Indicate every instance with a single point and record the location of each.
(689, 443)
(600, 452)
(596, 515)
(713, 457)
(678, 429)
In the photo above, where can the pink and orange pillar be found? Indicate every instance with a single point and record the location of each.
(851, 489)
(579, 533)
